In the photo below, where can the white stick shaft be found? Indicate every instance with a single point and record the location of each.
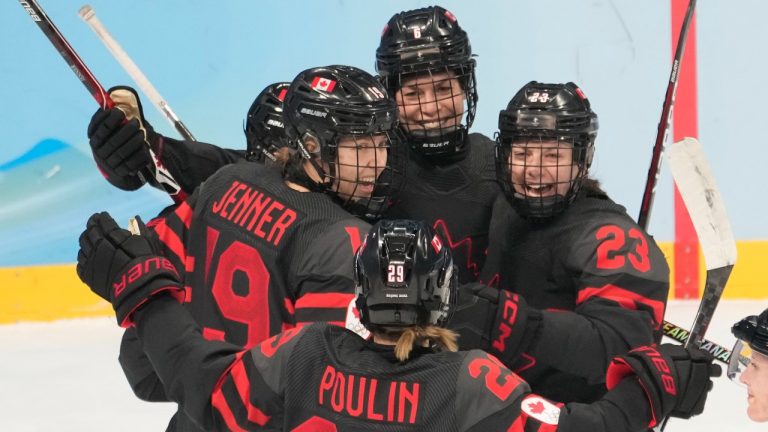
(89, 16)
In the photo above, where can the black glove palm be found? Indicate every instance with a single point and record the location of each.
(123, 268)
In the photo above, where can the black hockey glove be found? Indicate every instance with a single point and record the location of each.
(123, 268)
(675, 379)
(493, 320)
(119, 139)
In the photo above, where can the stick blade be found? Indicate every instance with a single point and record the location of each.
(696, 183)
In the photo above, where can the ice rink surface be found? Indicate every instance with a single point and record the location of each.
(64, 376)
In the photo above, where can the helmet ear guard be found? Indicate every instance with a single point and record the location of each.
(404, 276)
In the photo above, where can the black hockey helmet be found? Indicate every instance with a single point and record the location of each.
(404, 276)
(264, 130)
(418, 45)
(752, 336)
(345, 107)
(538, 115)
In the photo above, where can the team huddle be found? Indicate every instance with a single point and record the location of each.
(368, 263)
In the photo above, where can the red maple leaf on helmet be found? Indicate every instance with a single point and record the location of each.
(536, 407)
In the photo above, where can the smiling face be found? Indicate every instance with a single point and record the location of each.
(755, 377)
(430, 101)
(542, 168)
(361, 159)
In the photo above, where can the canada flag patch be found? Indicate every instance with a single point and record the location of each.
(541, 409)
(323, 84)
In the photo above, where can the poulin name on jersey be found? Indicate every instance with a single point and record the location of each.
(259, 213)
(368, 397)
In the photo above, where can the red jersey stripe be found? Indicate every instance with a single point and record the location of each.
(627, 299)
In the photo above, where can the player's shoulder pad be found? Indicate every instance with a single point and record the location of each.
(271, 356)
(484, 386)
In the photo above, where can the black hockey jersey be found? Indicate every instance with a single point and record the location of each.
(456, 199)
(259, 258)
(324, 378)
(599, 280)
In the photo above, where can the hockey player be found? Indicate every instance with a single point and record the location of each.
(749, 363)
(408, 377)
(425, 61)
(263, 249)
(581, 281)
(120, 153)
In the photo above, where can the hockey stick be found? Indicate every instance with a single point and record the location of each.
(666, 113)
(719, 352)
(89, 16)
(697, 187)
(160, 173)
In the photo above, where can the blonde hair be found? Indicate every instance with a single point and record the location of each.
(423, 336)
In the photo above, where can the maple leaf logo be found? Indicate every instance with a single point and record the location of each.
(536, 407)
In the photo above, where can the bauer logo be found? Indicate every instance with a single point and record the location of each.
(314, 113)
(275, 123)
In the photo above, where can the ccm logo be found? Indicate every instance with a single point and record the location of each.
(661, 365)
(141, 269)
(508, 316)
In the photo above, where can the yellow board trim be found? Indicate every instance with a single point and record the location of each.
(47, 293)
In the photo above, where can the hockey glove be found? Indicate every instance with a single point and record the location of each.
(494, 320)
(119, 138)
(123, 268)
(675, 379)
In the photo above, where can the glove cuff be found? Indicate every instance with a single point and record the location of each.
(125, 317)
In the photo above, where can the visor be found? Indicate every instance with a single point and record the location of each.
(739, 361)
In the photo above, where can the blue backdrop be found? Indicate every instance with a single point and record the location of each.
(209, 59)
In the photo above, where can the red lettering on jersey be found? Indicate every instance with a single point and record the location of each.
(360, 397)
(255, 211)
(218, 205)
(609, 252)
(248, 308)
(492, 370)
(270, 346)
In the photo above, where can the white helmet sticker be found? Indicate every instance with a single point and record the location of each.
(352, 322)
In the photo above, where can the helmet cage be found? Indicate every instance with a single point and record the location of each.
(420, 45)
(353, 111)
(547, 128)
(404, 276)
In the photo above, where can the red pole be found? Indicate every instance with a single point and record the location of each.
(685, 123)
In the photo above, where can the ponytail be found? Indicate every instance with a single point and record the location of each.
(434, 335)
